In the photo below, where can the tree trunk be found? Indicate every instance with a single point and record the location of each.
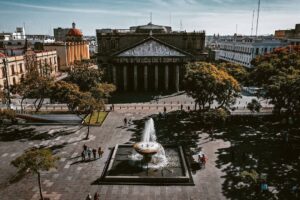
(40, 186)
(22, 105)
(98, 116)
(88, 132)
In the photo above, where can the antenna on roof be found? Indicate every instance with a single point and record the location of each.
(252, 22)
(236, 29)
(181, 27)
(258, 10)
(151, 17)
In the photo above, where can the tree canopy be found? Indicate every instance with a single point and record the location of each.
(278, 73)
(207, 85)
(36, 87)
(35, 161)
(237, 71)
(86, 78)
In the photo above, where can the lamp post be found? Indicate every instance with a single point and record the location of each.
(7, 89)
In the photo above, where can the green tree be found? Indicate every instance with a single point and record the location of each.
(102, 91)
(237, 71)
(2, 94)
(8, 114)
(87, 105)
(207, 85)
(213, 118)
(35, 161)
(36, 87)
(254, 106)
(278, 73)
(86, 78)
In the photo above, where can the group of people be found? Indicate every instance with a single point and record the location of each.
(127, 121)
(96, 196)
(89, 153)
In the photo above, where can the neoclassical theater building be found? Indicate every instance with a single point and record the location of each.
(148, 57)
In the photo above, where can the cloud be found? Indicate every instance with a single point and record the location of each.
(76, 10)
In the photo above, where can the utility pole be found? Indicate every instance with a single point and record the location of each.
(252, 22)
(7, 83)
(258, 10)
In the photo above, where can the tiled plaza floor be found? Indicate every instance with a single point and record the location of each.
(73, 179)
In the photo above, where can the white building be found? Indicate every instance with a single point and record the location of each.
(244, 50)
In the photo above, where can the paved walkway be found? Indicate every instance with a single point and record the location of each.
(72, 179)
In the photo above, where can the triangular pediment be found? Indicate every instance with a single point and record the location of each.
(151, 48)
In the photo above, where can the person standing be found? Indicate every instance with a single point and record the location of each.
(89, 197)
(97, 196)
(89, 152)
(203, 160)
(100, 152)
(84, 147)
(181, 107)
(125, 121)
(95, 154)
(83, 155)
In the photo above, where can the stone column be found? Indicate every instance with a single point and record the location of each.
(145, 77)
(156, 77)
(77, 45)
(68, 54)
(177, 78)
(87, 51)
(114, 75)
(71, 53)
(125, 77)
(82, 50)
(135, 81)
(166, 77)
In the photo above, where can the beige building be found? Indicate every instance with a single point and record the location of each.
(74, 48)
(15, 70)
(69, 52)
(48, 59)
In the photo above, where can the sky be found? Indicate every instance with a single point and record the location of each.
(222, 17)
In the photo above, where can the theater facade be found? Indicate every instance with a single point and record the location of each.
(148, 58)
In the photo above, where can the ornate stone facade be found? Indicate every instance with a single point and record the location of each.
(149, 60)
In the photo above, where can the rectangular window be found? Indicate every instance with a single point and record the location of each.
(21, 68)
(12, 68)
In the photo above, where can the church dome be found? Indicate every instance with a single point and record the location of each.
(74, 31)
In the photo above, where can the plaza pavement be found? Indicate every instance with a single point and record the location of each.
(73, 179)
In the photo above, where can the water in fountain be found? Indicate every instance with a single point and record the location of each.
(148, 140)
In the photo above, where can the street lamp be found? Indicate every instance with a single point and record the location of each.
(7, 90)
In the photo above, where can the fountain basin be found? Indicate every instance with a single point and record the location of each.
(122, 170)
(147, 148)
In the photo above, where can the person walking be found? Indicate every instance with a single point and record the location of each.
(203, 160)
(125, 121)
(95, 154)
(89, 197)
(89, 152)
(100, 152)
(97, 196)
(165, 109)
(181, 107)
(84, 147)
(83, 155)
(263, 186)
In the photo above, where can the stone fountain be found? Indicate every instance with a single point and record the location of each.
(153, 153)
(147, 162)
